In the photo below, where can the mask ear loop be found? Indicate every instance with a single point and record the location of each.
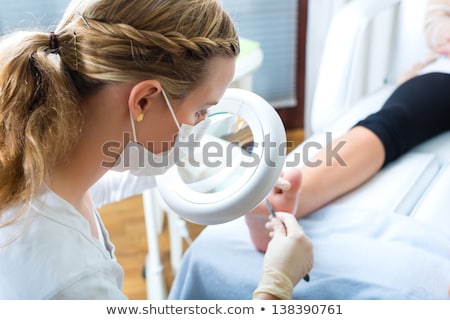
(133, 128)
(170, 108)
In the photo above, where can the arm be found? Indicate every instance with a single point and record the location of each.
(437, 36)
(98, 284)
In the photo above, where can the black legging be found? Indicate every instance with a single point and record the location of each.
(417, 110)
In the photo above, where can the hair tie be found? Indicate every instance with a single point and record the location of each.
(53, 45)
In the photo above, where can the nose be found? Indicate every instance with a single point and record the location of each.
(201, 115)
(199, 119)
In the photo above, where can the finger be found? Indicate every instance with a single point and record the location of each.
(269, 224)
(278, 227)
(290, 223)
(443, 49)
(285, 217)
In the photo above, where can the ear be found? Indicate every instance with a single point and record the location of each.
(142, 96)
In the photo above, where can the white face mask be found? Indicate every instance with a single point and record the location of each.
(142, 162)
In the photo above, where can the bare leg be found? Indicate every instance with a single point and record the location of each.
(281, 200)
(363, 155)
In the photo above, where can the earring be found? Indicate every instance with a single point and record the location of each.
(140, 117)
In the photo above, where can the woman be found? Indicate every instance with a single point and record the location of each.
(416, 111)
(114, 77)
(359, 253)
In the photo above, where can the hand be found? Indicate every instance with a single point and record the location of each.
(444, 50)
(284, 197)
(416, 68)
(290, 250)
(289, 257)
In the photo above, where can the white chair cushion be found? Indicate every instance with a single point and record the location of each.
(398, 187)
(439, 146)
(434, 208)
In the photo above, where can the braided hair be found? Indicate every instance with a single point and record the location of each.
(43, 79)
(166, 40)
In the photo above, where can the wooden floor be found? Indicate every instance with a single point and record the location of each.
(125, 223)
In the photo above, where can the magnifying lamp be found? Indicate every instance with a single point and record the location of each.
(235, 165)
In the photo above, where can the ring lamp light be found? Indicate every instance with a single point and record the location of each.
(234, 167)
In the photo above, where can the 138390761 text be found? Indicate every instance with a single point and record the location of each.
(281, 309)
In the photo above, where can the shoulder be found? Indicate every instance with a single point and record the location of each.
(49, 254)
(115, 186)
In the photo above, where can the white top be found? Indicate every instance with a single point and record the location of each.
(50, 252)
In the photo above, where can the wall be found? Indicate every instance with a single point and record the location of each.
(274, 25)
(320, 13)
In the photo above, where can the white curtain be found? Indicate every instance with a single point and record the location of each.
(274, 25)
(320, 13)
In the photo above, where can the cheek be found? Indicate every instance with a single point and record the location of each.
(157, 136)
(187, 118)
(167, 140)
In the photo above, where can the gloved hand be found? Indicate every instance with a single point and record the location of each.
(289, 257)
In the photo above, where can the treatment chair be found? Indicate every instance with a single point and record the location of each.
(369, 46)
(388, 239)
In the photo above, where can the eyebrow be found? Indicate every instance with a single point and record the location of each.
(211, 103)
(208, 105)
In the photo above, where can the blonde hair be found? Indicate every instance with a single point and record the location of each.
(98, 42)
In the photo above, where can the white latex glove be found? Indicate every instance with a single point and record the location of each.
(289, 257)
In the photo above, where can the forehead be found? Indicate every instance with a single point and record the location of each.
(220, 73)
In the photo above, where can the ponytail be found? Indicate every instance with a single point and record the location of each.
(39, 117)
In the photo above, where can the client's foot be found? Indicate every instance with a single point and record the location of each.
(282, 199)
